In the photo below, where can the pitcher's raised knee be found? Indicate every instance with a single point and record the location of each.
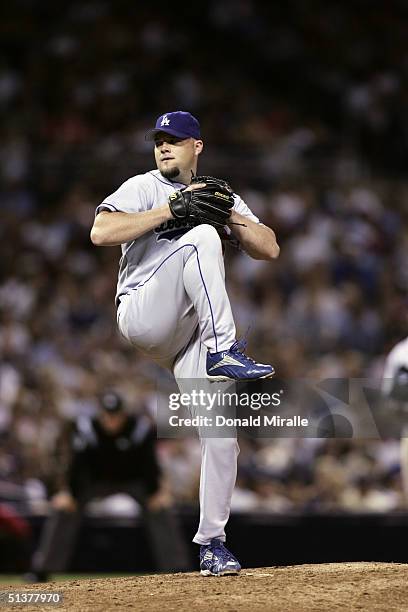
(204, 234)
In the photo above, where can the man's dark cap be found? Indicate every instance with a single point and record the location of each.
(111, 401)
(178, 123)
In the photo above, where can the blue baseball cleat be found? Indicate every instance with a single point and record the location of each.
(216, 560)
(235, 365)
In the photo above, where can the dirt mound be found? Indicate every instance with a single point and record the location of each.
(334, 586)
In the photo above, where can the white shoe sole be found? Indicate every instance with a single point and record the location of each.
(226, 378)
(224, 573)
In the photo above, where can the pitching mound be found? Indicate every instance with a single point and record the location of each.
(334, 586)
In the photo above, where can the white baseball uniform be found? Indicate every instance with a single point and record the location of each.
(396, 360)
(173, 306)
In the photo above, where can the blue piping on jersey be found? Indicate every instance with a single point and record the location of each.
(202, 278)
(105, 207)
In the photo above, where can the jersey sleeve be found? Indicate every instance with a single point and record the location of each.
(244, 210)
(132, 196)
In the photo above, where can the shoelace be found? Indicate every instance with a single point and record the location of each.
(239, 346)
(223, 553)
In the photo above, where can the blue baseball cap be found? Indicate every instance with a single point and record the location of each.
(180, 124)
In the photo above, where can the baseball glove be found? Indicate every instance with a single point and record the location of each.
(210, 204)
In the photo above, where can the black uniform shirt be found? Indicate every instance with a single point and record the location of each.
(97, 456)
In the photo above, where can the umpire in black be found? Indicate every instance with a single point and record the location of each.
(110, 453)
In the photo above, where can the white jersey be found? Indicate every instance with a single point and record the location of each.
(141, 257)
(397, 359)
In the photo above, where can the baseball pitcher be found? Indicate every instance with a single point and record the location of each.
(172, 304)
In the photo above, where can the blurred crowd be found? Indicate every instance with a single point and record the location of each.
(304, 112)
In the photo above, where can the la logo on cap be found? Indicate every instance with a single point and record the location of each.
(180, 124)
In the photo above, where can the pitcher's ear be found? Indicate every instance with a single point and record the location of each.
(198, 145)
